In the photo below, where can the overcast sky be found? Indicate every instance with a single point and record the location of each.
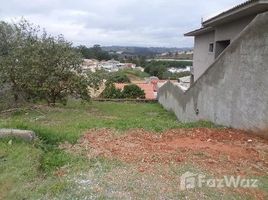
(117, 22)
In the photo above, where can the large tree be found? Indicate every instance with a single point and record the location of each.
(94, 52)
(39, 66)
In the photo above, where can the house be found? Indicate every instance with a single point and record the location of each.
(218, 32)
(230, 72)
(90, 65)
(110, 65)
(130, 65)
(179, 70)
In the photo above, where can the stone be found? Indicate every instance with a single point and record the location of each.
(26, 135)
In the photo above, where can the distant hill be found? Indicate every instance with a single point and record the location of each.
(143, 51)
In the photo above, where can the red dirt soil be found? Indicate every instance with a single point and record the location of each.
(218, 150)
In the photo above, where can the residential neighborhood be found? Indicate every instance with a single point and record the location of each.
(110, 65)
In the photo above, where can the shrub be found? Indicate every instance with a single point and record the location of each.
(132, 91)
(110, 92)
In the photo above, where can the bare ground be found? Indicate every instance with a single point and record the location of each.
(215, 151)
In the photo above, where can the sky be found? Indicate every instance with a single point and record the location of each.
(149, 23)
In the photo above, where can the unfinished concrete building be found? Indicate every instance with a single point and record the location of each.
(230, 71)
(218, 32)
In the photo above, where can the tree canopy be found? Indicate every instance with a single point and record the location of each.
(160, 68)
(94, 52)
(36, 65)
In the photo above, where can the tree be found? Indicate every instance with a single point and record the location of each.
(155, 70)
(40, 67)
(96, 79)
(160, 68)
(133, 91)
(110, 92)
(59, 73)
(16, 43)
(94, 52)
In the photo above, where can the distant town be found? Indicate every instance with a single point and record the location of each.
(149, 75)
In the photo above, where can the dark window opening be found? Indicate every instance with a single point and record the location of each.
(220, 46)
(211, 47)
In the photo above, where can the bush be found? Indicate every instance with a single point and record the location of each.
(133, 92)
(129, 92)
(110, 92)
(160, 68)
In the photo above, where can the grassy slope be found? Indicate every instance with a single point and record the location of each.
(69, 123)
(27, 171)
(135, 75)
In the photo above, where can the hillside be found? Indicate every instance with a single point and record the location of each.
(143, 51)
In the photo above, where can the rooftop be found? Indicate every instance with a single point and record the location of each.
(248, 8)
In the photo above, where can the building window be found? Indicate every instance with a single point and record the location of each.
(211, 47)
(221, 46)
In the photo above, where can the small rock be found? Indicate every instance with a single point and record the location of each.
(250, 140)
(141, 169)
(210, 161)
(209, 140)
(23, 134)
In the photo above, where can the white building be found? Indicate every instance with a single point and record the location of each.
(110, 65)
(179, 70)
(90, 64)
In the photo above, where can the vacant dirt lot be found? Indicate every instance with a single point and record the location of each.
(220, 150)
(217, 152)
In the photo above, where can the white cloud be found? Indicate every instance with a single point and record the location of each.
(117, 22)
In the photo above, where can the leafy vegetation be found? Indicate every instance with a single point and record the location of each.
(175, 76)
(160, 68)
(119, 77)
(37, 66)
(133, 91)
(135, 73)
(130, 91)
(100, 76)
(111, 92)
(170, 64)
(94, 52)
(68, 123)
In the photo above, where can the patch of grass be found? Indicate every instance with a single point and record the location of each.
(19, 164)
(135, 75)
(68, 123)
(102, 165)
(28, 171)
(55, 159)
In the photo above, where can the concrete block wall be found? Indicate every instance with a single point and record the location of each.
(234, 90)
